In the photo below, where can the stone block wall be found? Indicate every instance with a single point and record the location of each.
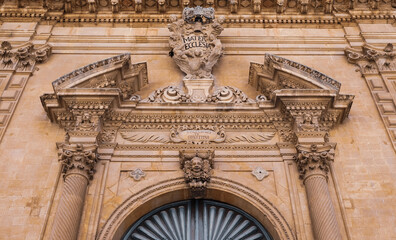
(362, 182)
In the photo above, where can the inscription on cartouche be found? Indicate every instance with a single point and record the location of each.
(197, 136)
(194, 41)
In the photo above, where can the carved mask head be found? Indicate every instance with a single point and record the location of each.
(196, 164)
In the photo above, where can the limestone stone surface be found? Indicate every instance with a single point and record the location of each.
(361, 181)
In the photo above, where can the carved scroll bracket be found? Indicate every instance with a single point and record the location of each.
(197, 166)
(16, 66)
(24, 57)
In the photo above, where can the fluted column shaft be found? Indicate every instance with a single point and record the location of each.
(313, 165)
(68, 216)
(321, 210)
(78, 167)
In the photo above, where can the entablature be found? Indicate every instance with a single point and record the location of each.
(95, 92)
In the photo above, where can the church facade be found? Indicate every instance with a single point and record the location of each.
(168, 119)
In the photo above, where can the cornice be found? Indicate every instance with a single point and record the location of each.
(267, 17)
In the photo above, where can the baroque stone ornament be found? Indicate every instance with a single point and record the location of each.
(313, 160)
(137, 174)
(313, 163)
(197, 166)
(197, 135)
(173, 94)
(78, 158)
(260, 173)
(23, 58)
(78, 168)
(194, 42)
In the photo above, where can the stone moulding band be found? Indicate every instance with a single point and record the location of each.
(280, 225)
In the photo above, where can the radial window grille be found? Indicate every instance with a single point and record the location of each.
(197, 220)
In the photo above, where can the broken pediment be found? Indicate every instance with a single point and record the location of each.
(278, 73)
(116, 72)
(296, 101)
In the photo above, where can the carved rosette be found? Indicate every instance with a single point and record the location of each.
(313, 160)
(197, 167)
(78, 159)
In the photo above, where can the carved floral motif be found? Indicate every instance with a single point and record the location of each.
(137, 174)
(260, 173)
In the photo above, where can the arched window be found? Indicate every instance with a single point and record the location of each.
(197, 220)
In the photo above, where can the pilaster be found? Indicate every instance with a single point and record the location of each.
(378, 68)
(314, 154)
(78, 168)
(17, 65)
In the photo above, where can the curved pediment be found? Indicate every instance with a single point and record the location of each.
(279, 73)
(116, 72)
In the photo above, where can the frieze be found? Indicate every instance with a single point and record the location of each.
(170, 126)
(145, 137)
(198, 136)
(251, 137)
(177, 147)
(56, 10)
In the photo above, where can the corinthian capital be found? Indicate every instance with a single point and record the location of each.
(313, 160)
(78, 159)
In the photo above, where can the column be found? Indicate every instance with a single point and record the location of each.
(313, 166)
(78, 168)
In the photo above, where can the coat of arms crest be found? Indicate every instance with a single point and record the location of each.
(194, 43)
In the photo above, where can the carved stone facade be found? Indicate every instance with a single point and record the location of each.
(197, 167)
(146, 103)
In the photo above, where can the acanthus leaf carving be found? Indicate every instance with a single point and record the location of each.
(144, 137)
(252, 138)
(78, 159)
(313, 159)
